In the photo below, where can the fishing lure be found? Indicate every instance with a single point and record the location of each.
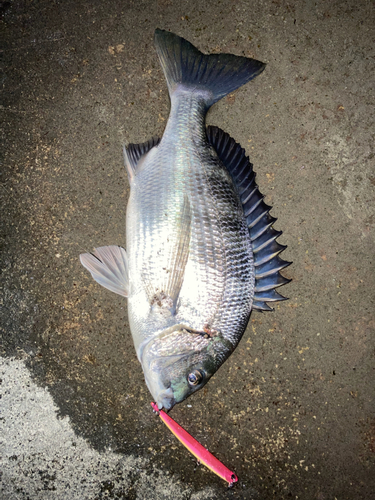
(199, 451)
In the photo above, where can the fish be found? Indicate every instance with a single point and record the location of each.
(201, 251)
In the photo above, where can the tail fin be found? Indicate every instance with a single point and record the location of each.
(219, 74)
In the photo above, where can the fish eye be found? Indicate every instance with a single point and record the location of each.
(195, 377)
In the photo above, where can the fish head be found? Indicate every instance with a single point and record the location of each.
(179, 362)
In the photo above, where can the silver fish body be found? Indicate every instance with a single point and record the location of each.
(183, 174)
(189, 270)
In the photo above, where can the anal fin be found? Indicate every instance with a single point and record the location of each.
(134, 152)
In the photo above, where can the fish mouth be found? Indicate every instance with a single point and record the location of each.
(163, 396)
(166, 399)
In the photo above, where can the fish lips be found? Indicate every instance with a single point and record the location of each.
(165, 398)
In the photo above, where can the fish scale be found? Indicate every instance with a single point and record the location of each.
(201, 250)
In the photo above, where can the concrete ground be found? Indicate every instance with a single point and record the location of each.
(292, 410)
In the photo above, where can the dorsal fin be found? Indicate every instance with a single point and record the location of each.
(134, 152)
(266, 250)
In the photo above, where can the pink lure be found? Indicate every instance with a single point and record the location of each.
(199, 451)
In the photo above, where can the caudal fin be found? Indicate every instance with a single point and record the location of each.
(219, 74)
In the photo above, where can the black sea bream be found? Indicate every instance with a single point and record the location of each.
(201, 251)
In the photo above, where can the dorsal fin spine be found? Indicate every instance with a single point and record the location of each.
(256, 215)
(263, 236)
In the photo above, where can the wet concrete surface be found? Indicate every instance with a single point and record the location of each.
(292, 410)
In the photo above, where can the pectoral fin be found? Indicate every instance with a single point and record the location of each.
(164, 291)
(180, 253)
(109, 267)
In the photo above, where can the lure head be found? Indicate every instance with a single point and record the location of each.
(179, 362)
